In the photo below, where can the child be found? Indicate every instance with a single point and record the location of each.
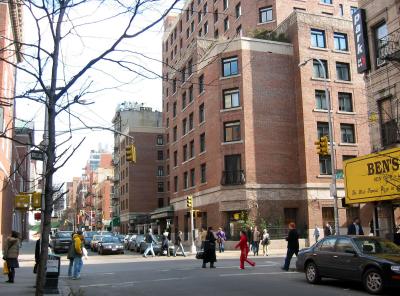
(244, 250)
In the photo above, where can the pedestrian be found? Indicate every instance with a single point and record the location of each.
(355, 228)
(178, 244)
(244, 250)
(327, 230)
(11, 253)
(165, 244)
(149, 241)
(250, 236)
(221, 236)
(292, 245)
(317, 233)
(70, 255)
(209, 249)
(256, 241)
(265, 242)
(78, 241)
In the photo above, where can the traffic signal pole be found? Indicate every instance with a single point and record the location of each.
(193, 247)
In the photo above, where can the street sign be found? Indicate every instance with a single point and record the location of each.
(37, 155)
(373, 177)
(22, 201)
(339, 174)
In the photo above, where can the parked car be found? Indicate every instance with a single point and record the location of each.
(61, 241)
(120, 237)
(156, 246)
(88, 235)
(135, 243)
(371, 260)
(110, 244)
(130, 240)
(95, 240)
(105, 233)
(126, 240)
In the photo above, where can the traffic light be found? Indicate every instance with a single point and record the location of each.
(322, 146)
(189, 201)
(36, 201)
(22, 201)
(37, 216)
(130, 152)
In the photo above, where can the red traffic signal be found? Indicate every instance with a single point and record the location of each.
(37, 216)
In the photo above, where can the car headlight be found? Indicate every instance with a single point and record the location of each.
(395, 268)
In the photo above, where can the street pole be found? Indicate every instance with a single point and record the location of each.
(333, 189)
(193, 247)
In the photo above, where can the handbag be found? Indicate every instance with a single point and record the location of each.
(200, 255)
(5, 268)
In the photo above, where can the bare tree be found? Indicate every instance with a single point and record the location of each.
(58, 85)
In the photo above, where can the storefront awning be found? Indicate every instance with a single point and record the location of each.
(165, 212)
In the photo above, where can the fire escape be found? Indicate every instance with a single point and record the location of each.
(389, 48)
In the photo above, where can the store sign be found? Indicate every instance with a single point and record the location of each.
(361, 40)
(373, 177)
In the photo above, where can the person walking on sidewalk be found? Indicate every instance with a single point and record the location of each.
(249, 237)
(178, 244)
(317, 233)
(11, 253)
(149, 241)
(265, 242)
(256, 241)
(221, 240)
(70, 256)
(244, 250)
(209, 249)
(77, 241)
(165, 244)
(292, 245)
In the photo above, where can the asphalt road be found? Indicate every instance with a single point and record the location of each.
(135, 275)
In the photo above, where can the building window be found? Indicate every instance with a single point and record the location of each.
(347, 157)
(231, 99)
(205, 27)
(199, 16)
(216, 34)
(160, 155)
(238, 10)
(184, 126)
(191, 149)
(226, 24)
(185, 152)
(347, 132)
(230, 67)
(320, 100)
(353, 9)
(160, 140)
(184, 100)
(203, 178)
(340, 41)
(185, 180)
(191, 27)
(187, 33)
(175, 133)
(388, 122)
(205, 9)
(174, 105)
(175, 158)
(191, 94)
(226, 4)
(345, 102)
(1, 119)
(322, 129)
(200, 32)
(215, 16)
(341, 11)
(176, 184)
(160, 186)
(325, 167)
(190, 67)
(318, 38)
(239, 31)
(192, 178)
(160, 171)
(191, 125)
(160, 202)
(201, 83)
(318, 70)
(326, 1)
(232, 131)
(202, 142)
(265, 14)
(343, 71)
(380, 35)
(183, 72)
(174, 86)
(201, 113)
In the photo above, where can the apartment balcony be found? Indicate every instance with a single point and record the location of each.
(233, 178)
(389, 47)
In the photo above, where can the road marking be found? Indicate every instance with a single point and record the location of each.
(258, 273)
(108, 273)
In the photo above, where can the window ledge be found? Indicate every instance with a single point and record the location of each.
(232, 142)
(189, 160)
(175, 167)
(320, 79)
(187, 133)
(231, 109)
(346, 113)
(268, 22)
(326, 4)
(324, 176)
(343, 81)
(348, 144)
(201, 153)
(319, 48)
(204, 183)
(227, 77)
(321, 110)
(201, 94)
(341, 51)
(202, 123)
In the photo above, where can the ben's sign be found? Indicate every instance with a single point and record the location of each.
(373, 177)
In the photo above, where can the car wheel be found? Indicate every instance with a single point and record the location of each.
(312, 273)
(373, 281)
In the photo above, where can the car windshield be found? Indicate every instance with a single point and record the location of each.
(96, 237)
(139, 238)
(64, 234)
(110, 239)
(376, 246)
(89, 234)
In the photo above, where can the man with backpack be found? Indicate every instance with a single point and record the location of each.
(149, 241)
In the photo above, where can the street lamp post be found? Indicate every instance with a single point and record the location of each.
(333, 190)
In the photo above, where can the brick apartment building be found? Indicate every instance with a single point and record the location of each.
(241, 118)
(138, 188)
(10, 29)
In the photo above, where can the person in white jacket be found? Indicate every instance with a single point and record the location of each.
(317, 233)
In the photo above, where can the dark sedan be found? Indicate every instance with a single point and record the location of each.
(135, 243)
(88, 235)
(61, 241)
(110, 244)
(371, 260)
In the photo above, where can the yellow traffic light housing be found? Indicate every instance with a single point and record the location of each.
(189, 201)
(36, 201)
(322, 146)
(130, 152)
(22, 201)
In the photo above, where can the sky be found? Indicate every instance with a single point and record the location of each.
(108, 84)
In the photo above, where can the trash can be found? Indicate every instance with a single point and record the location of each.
(52, 274)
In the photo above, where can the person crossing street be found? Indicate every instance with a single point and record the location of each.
(244, 250)
(149, 241)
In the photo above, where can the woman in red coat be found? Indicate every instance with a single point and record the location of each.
(244, 250)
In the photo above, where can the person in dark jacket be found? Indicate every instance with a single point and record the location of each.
(178, 244)
(209, 249)
(292, 245)
(327, 230)
(70, 255)
(11, 253)
(355, 228)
